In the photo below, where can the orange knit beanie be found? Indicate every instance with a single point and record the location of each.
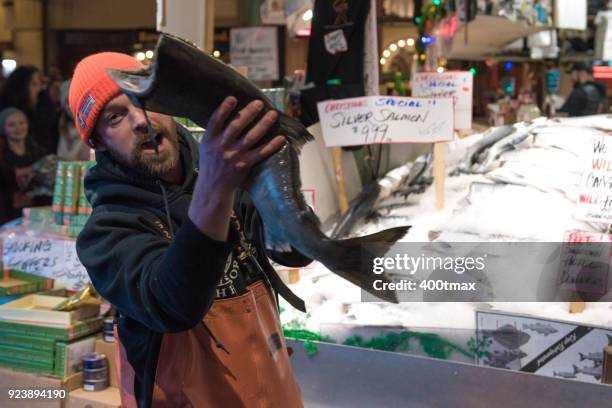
(91, 88)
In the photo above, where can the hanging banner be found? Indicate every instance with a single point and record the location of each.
(257, 49)
(458, 85)
(386, 119)
(595, 199)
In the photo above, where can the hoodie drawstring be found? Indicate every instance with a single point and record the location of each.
(218, 344)
(166, 207)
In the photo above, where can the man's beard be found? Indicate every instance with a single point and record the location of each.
(149, 165)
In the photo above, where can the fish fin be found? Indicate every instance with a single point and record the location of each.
(293, 130)
(354, 259)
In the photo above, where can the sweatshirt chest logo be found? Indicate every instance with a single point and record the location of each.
(229, 285)
(162, 229)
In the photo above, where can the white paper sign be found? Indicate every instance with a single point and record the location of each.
(456, 84)
(595, 199)
(571, 14)
(51, 258)
(386, 119)
(256, 48)
(585, 262)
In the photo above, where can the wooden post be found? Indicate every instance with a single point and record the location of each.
(438, 173)
(607, 366)
(577, 305)
(342, 197)
(294, 276)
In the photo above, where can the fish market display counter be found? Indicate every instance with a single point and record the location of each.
(519, 184)
(341, 376)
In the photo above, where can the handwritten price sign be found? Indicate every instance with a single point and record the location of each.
(453, 84)
(595, 200)
(585, 262)
(386, 119)
(51, 258)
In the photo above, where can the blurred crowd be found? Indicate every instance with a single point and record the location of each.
(36, 130)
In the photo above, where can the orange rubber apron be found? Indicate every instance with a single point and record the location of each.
(193, 372)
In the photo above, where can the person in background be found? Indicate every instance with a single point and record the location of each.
(54, 92)
(588, 97)
(70, 146)
(17, 157)
(24, 90)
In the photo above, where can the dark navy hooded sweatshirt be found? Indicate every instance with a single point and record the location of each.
(147, 258)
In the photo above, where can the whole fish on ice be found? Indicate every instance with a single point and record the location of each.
(375, 192)
(478, 149)
(184, 81)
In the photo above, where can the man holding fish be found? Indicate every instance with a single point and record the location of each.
(177, 248)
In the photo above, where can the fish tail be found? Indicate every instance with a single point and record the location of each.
(582, 356)
(294, 131)
(576, 370)
(353, 259)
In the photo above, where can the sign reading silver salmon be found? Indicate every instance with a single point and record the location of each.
(386, 119)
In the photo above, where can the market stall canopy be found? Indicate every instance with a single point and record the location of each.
(487, 35)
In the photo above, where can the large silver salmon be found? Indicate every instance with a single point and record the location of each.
(184, 81)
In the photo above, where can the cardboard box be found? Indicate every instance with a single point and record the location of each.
(59, 192)
(38, 308)
(69, 356)
(63, 333)
(71, 195)
(19, 283)
(108, 398)
(10, 379)
(108, 349)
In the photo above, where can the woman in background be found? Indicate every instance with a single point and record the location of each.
(24, 90)
(18, 159)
